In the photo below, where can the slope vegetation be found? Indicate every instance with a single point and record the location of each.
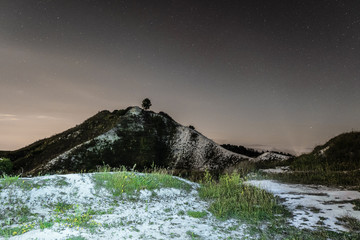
(341, 153)
(335, 163)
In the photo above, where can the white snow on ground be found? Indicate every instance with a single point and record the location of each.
(313, 205)
(161, 214)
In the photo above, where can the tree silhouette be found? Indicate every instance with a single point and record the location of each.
(146, 103)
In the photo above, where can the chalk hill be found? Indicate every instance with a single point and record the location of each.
(124, 137)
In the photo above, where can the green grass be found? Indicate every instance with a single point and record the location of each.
(192, 235)
(73, 216)
(45, 224)
(131, 183)
(16, 212)
(231, 198)
(18, 230)
(197, 214)
(351, 223)
(61, 207)
(7, 181)
(322, 177)
(181, 213)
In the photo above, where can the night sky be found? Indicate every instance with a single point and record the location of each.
(279, 75)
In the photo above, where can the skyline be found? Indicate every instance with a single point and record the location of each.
(281, 75)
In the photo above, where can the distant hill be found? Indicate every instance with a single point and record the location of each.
(243, 150)
(257, 154)
(123, 138)
(341, 153)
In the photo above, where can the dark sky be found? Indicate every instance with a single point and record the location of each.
(268, 74)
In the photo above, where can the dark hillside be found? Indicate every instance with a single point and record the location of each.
(140, 140)
(242, 150)
(48, 148)
(336, 163)
(341, 153)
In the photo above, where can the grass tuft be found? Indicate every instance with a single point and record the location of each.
(196, 214)
(7, 181)
(351, 223)
(234, 199)
(131, 183)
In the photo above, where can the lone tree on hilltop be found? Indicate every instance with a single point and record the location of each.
(146, 103)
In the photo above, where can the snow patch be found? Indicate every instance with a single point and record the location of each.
(313, 205)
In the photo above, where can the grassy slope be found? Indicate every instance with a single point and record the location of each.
(336, 163)
(342, 154)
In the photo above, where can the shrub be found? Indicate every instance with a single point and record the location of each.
(6, 166)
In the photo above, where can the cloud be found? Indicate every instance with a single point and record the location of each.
(8, 117)
(46, 117)
(12, 117)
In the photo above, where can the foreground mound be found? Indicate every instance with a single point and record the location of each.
(100, 206)
(129, 205)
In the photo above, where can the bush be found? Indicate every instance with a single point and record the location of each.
(6, 166)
